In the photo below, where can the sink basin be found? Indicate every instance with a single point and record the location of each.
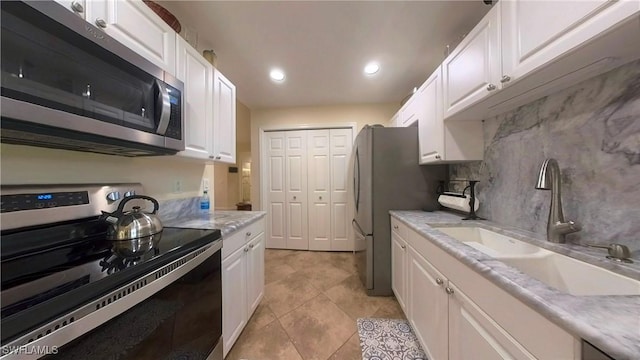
(558, 271)
(489, 242)
(573, 276)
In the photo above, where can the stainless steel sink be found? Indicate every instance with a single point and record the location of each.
(561, 272)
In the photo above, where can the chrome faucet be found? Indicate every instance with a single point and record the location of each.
(549, 179)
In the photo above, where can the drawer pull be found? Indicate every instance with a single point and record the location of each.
(248, 233)
(439, 281)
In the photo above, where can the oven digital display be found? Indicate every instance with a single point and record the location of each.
(21, 202)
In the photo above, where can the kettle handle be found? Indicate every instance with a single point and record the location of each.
(156, 206)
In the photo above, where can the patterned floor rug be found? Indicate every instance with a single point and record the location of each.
(388, 339)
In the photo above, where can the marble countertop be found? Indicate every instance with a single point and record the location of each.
(611, 323)
(227, 221)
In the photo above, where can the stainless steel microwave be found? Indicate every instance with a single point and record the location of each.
(67, 84)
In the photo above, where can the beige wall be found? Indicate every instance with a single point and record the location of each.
(33, 165)
(301, 117)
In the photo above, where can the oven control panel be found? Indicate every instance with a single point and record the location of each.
(20, 202)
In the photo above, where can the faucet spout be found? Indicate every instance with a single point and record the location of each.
(549, 179)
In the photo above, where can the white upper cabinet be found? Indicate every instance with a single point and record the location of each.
(523, 50)
(536, 32)
(393, 122)
(410, 111)
(472, 71)
(224, 119)
(442, 141)
(136, 26)
(197, 74)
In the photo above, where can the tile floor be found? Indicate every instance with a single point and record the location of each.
(309, 311)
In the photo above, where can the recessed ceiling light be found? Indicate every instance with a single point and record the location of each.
(371, 68)
(277, 75)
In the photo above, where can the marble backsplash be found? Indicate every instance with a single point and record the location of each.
(593, 130)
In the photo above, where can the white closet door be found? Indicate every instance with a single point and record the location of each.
(320, 234)
(340, 151)
(296, 190)
(277, 205)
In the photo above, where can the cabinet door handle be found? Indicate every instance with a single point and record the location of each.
(211, 157)
(491, 87)
(320, 197)
(395, 227)
(449, 290)
(77, 7)
(248, 233)
(439, 281)
(218, 157)
(246, 249)
(403, 246)
(251, 246)
(101, 23)
(294, 197)
(438, 157)
(505, 79)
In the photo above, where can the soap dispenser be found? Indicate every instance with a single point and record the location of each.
(204, 201)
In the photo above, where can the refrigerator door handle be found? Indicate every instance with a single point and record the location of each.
(356, 179)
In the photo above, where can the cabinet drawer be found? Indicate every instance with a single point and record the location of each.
(239, 238)
(399, 228)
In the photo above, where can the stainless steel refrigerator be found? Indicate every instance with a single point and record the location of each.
(386, 176)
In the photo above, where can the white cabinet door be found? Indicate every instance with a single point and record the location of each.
(197, 75)
(276, 206)
(474, 335)
(431, 124)
(399, 269)
(255, 273)
(534, 33)
(234, 297)
(473, 70)
(341, 143)
(135, 25)
(224, 119)
(409, 112)
(296, 190)
(76, 6)
(319, 171)
(428, 306)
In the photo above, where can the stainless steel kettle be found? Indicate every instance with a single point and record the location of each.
(134, 224)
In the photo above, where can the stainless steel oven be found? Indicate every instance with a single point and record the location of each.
(66, 84)
(68, 293)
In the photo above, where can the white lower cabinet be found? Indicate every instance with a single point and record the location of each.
(428, 306)
(242, 280)
(399, 269)
(457, 314)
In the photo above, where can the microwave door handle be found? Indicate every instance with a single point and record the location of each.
(163, 104)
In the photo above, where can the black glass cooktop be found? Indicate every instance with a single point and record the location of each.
(49, 271)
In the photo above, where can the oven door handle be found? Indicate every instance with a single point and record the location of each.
(163, 107)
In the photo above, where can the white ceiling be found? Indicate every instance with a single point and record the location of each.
(324, 45)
